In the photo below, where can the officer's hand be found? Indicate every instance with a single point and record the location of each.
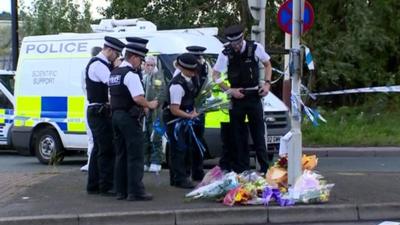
(263, 91)
(153, 104)
(194, 114)
(235, 92)
(146, 111)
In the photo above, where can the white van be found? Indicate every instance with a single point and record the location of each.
(49, 112)
(6, 108)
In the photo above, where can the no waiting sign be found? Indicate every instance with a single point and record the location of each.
(285, 16)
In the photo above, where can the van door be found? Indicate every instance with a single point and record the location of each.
(6, 116)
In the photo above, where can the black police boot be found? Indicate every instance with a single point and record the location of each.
(140, 197)
(186, 184)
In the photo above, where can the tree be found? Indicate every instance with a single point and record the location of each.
(55, 16)
(175, 14)
(355, 45)
(5, 16)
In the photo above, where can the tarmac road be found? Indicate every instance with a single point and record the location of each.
(364, 185)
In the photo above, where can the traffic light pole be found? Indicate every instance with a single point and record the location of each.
(295, 145)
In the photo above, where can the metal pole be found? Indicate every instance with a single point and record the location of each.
(295, 146)
(263, 3)
(14, 33)
(286, 81)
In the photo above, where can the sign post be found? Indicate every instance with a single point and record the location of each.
(295, 146)
(285, 16)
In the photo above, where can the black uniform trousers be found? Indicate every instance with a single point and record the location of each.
(101, 165)
(128, 137)
(252, 107)
(197, 159)
(180, 155)
(229, 151)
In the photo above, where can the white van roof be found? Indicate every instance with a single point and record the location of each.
(160, 42)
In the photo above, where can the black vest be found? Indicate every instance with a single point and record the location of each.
(202, 76)
(187, 103)
(121, 98)
(97, 92)
(243, 69)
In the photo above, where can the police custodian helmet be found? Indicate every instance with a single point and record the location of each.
(187, 61)
(196, 50)
(137, 40)
(137, 49)
(114, 43)
(234, 33)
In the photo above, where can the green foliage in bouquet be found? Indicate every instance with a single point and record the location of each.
(204, 102)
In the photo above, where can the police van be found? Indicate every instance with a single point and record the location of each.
(6, 108)
(49, 114)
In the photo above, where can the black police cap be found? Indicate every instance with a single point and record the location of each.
(234, 33)
(187, 61)
(137, 40)
(114, 43)
(196, 50)
(136, 49)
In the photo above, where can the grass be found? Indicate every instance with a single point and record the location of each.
(359, 126)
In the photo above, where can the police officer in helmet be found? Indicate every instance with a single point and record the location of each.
(179, 107)
(241, 59)
(101, 165)
(199, 80)
(127, 104)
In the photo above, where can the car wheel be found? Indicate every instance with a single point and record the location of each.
(48, 147)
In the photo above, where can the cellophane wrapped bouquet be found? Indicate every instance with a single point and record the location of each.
(206, 102)
(252, 188)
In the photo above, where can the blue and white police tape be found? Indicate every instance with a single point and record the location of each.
(381, 89)
(312, 114)
(309, 58)
(187, 126)
(281, 74)
(158, 129)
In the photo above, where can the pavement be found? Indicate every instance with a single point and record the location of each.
(60, 198)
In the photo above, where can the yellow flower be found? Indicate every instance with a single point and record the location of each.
(157, 83)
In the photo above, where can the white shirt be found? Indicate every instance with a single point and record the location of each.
(132, 81)
(83, 81)
(176, 72)
(221, 65)
(98, 72)
(176, 92)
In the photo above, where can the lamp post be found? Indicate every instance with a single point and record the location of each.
(14, 33)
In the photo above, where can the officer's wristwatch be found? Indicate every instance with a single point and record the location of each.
(268, 82)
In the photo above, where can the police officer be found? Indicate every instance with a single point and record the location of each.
(101, 165)
(141, 42)
(127, 103)
(199, 80)
(180, 105)
(241, 60)
(95, 50)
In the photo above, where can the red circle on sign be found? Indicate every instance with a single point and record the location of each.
(285, 16)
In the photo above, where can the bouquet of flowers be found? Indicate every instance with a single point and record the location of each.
(212, 175)
(249, 192)
(250, 188)
(310, 187)
(205, 102)
(216, 189)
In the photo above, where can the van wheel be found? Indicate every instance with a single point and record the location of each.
(48, 147)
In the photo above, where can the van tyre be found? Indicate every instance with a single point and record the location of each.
(48, 147)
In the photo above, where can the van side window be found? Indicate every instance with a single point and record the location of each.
(5, 102)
